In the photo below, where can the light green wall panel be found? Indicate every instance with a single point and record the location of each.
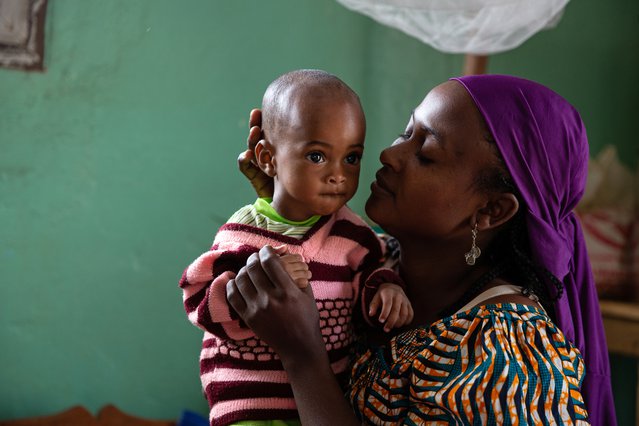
(117, 165)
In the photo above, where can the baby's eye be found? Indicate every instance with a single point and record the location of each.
(353, 159)
(315, 157)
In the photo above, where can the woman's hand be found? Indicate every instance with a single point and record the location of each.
(286, 317)
(275, 308)
(261, 182)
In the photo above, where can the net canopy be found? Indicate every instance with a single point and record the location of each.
(478, 27)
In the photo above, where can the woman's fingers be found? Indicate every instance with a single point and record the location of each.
(255, 129)
(246, 164)
(272, 266)
(243, 280)
(234, 297)
(260, 181)
(268, 301)
(255, 135)
(264, 276)
(255, 118)
(258, 278)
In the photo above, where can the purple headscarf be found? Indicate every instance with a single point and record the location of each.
(544, 145)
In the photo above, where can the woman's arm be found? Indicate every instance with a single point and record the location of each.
(286, 318)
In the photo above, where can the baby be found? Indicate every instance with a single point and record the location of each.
(313, 140)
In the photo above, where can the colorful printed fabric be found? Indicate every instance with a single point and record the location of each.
(504, 364)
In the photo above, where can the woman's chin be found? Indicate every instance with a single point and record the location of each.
(375, 211)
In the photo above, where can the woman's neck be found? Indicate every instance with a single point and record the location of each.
(435, 280)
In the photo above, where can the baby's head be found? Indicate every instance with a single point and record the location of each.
(313, 129)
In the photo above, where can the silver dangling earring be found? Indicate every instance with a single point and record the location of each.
(474, 252)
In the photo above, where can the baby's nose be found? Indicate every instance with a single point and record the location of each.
(336, 179)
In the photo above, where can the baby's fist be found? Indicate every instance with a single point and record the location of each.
(396, 310)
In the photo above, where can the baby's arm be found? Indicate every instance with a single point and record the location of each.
(204, 291)
(204, 288)
(396, 310)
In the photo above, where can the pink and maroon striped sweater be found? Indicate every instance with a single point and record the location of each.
(242, 377)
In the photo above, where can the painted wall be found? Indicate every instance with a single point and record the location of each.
(117, 165)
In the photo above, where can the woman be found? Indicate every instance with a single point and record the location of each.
(479, 193)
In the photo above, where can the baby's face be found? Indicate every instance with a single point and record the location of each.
(317, 158)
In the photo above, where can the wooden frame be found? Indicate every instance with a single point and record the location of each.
(22, 34)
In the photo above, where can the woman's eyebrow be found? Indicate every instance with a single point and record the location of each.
(430, 130)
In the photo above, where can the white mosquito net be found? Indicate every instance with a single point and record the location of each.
(464, 26)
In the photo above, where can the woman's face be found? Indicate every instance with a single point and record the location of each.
(426, 186)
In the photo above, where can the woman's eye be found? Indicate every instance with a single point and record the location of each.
(353, 159)
(423, 159)
(315, 157)
(405, 135)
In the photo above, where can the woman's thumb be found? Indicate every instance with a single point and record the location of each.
(308, 290)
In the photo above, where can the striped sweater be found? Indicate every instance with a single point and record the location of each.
(242, 378)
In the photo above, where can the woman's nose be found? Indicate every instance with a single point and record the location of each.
(390, 157)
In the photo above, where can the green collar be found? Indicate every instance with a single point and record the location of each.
(263, 206)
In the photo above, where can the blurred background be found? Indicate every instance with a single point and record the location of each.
(118, 164)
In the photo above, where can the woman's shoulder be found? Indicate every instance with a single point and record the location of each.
(506, 351)
(504, 326)
(488, 313)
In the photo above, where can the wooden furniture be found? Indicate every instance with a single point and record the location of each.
(621, 322)
(80, 416)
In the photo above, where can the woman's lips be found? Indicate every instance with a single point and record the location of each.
(379, 186)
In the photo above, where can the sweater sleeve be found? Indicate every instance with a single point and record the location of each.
(203, 285)
(375, 271)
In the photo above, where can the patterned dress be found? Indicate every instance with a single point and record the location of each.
(504, 364)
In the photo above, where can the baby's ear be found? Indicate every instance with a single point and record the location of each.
(265, 155)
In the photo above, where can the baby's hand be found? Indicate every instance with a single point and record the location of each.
(297, 269)
(396, 310)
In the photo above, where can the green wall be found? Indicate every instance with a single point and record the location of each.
(117, 165)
